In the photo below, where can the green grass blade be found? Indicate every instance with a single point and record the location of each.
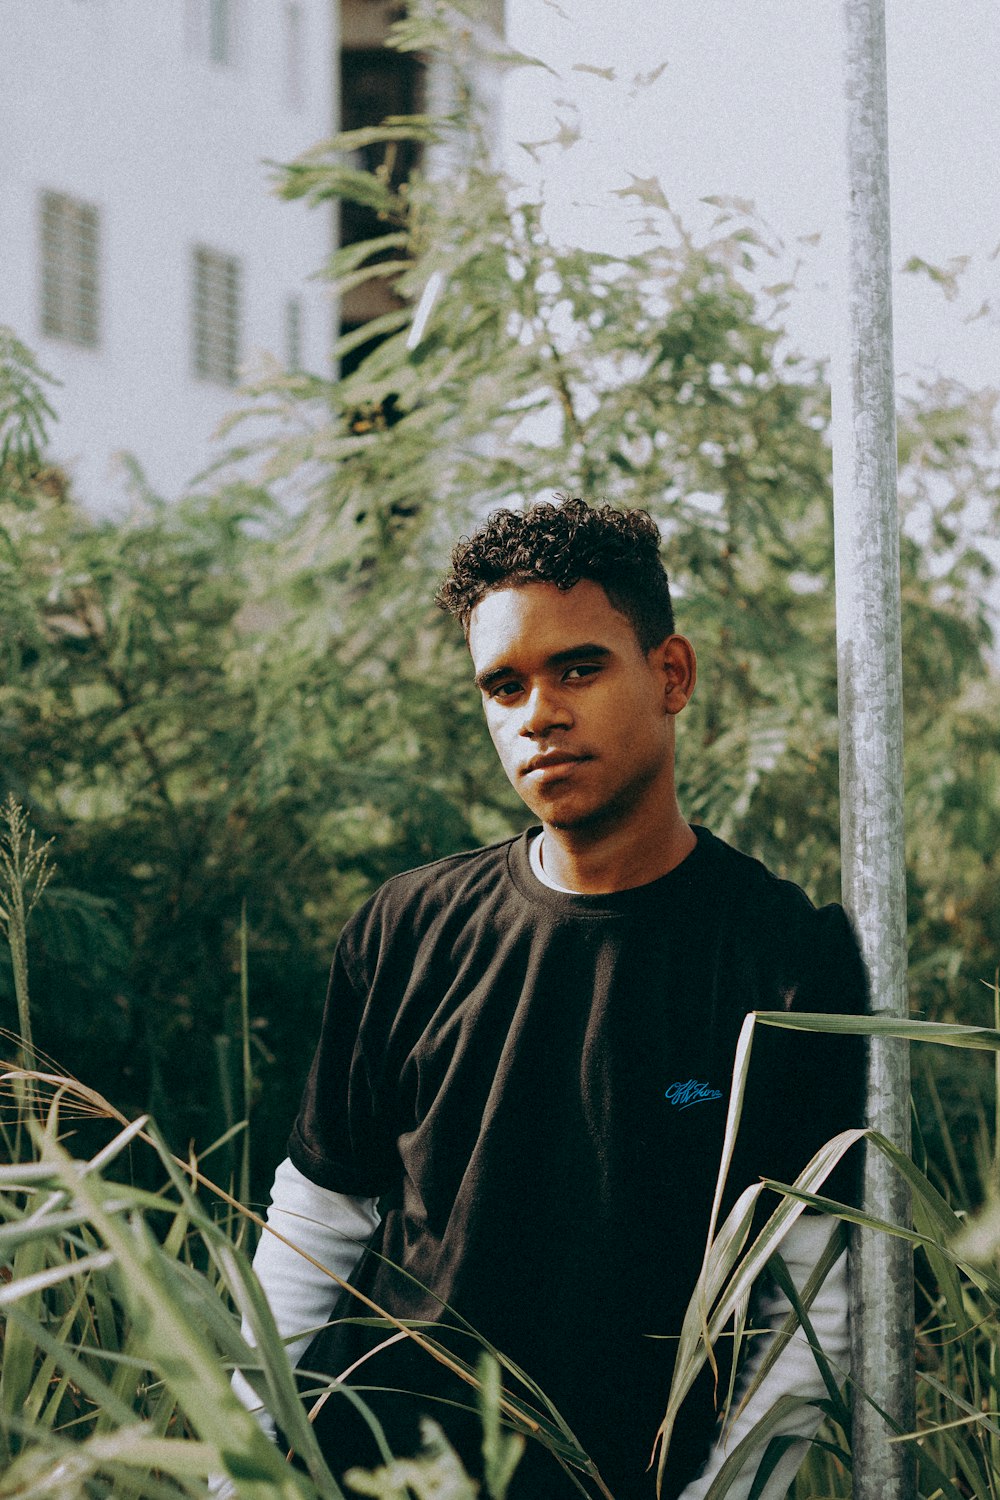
(266, 1366)
(17, 1372)
(945, 1033)
(762, 1433)
(39, 1281)
(798, 1319)
(698, 1331)
(90, 1382)
(176, 1347)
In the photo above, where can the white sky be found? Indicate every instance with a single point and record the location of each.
(748, 105)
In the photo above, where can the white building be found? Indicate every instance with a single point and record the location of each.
(143, 254)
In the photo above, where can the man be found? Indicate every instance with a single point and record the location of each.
(526, 1051)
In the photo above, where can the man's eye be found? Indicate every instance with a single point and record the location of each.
(505, 690)
(583, 669)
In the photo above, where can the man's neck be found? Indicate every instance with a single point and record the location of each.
(617, 860)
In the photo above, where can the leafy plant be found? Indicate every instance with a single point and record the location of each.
(24, 414)
(122, 1314)
(231, 699)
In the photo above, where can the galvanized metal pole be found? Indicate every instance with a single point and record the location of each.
(871, 743)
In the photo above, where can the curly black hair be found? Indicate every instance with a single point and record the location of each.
(562, 543)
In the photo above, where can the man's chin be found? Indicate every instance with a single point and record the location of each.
(591, 821)
(587, 819)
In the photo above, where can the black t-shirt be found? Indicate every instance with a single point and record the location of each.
(535, 1085)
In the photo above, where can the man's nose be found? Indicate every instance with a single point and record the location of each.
(546, 709)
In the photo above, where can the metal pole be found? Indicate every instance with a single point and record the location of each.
(871, 744)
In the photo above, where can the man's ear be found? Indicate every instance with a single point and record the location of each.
(676, 661)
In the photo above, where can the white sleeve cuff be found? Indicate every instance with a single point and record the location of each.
(794, 1372)
(333, 1228)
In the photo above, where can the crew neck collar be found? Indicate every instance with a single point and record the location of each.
(540, 892)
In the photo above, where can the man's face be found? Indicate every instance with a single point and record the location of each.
(581, 719)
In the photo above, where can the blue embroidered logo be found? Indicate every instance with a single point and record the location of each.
(685, 1094)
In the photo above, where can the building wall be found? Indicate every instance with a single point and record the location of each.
(120, 105)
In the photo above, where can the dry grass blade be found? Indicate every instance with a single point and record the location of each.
(63, 1209)
(169, 1338)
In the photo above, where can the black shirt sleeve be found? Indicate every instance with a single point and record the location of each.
(806, 1087)
(342, 1138)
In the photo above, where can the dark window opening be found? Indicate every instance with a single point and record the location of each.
(376, 82)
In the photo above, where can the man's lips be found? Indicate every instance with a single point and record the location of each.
(552, 760)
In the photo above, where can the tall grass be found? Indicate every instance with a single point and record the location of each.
(25, 871)
(122, 1306)
(122, 1310)
(122, 1322)
(957, 1250)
